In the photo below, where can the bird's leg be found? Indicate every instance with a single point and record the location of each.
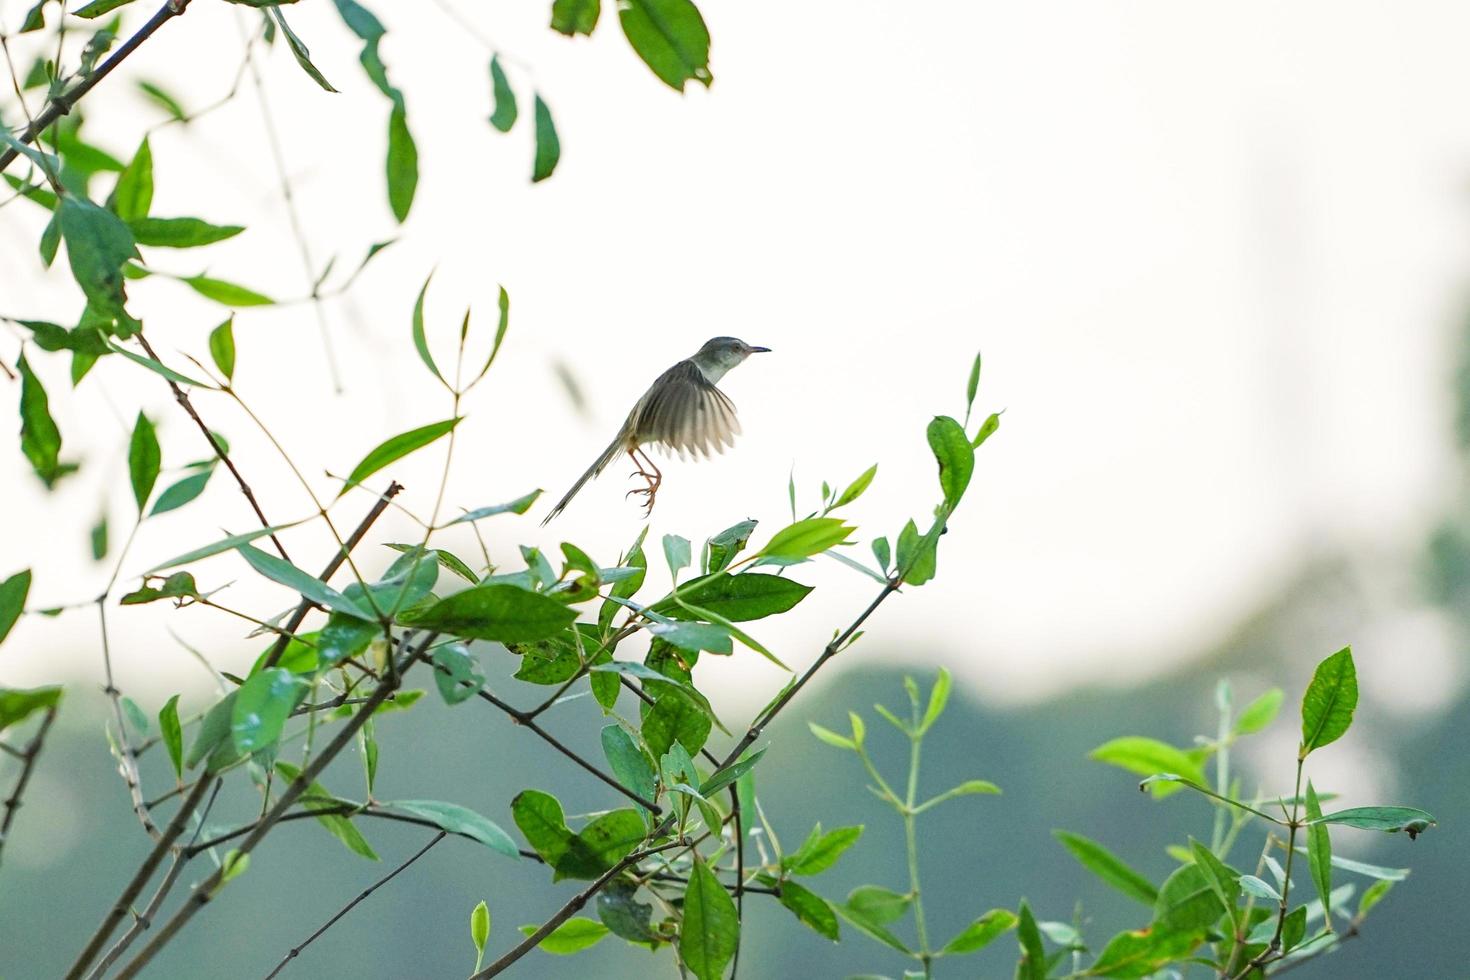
(651, 474)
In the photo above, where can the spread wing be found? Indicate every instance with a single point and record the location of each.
(686, 413)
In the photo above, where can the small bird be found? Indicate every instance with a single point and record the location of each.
(682, 411)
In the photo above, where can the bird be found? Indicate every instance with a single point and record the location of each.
(682, 411)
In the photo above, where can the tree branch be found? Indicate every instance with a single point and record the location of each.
(295, 951)
(62, 104)
(27, 765)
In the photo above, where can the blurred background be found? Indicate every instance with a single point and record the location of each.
(1216, 259)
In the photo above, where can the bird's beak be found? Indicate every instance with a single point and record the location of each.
(757, 350)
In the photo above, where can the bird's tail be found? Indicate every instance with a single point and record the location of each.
(608, 455)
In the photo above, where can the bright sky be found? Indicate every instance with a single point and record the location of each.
(1215, 262)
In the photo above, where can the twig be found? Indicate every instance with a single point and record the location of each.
(219, 450)
(828, 652)
(127, 757)
(141, 923)
(353, 540)
(140, 878)
(27, 765)
(62, 104)
(296, 950)
(570, 909)
(205, 890)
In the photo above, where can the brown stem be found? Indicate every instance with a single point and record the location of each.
(205, 890)
(295, 951)
(140, 878)
(62, 104)
(353, 539)
(27, 765)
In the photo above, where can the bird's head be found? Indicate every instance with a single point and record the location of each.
(720, 354)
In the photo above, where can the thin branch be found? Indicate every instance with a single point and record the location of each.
(127, 757)
(296, 950)
(219, 450)
(828, 652)
(353, 540)
(140, 878)
(27, 765)
(62, 104)
(141, 923)
(205, 890)
(570, 909)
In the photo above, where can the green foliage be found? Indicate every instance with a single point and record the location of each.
(1327, 707)
(13, 592)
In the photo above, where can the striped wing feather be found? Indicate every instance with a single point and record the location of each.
(686, 414)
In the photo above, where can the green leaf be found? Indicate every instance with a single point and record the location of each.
(806, 538)
(144, 459)
(1142, 952)
(811, 909)
(445, 559)
(504, 115)
(173, 733)
(1108, 866)
(987, 429)
(938, 698)
(1260, 712)
(1187, 902)
(287, 574)
(179, 585)
(856, 487)
(723, 547)
(157, 367)
(629, 765)
(821, 851)
(95, 9)
(222, 348)
(132, 195)
(955, 456)
(316, 799)
(40, 439)
(402, 162)
(731, 773)
(1319, 849)
(1223, 881)
(394, 449)
(455, 674)
(298, 48)
(675, 717)
(13, 592)
(498, 612)
(572, 936)
(1327, 706)
(16, 706)
(97, 537)
(161, 98)
(262, 706)
(97, 246)
(601, 844)
(972, 388)
(1254, 886)
(213, 730)
(1148, 756)
(541, 821)
(863, 920)
(831, 737)
(694, 637)
(480, 931)
(1389, 819)
(619, 909)
(1033, 956)
(711, 929)
(180, 232)
(572, 17)
(548, 146)
(517, 506)
(1294, 928)
(738, 598)
(233, 866)
(676, 553)
(420, 341)
(878, 905)
(980, 933)
(1371, 897)
(670, 37)
(226, 293)
(460, 820)
(225, 544)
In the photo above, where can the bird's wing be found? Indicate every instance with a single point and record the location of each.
(686, 413)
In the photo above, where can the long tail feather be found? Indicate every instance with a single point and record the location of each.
(608, 455)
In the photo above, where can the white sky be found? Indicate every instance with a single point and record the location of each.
(1215, 259)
